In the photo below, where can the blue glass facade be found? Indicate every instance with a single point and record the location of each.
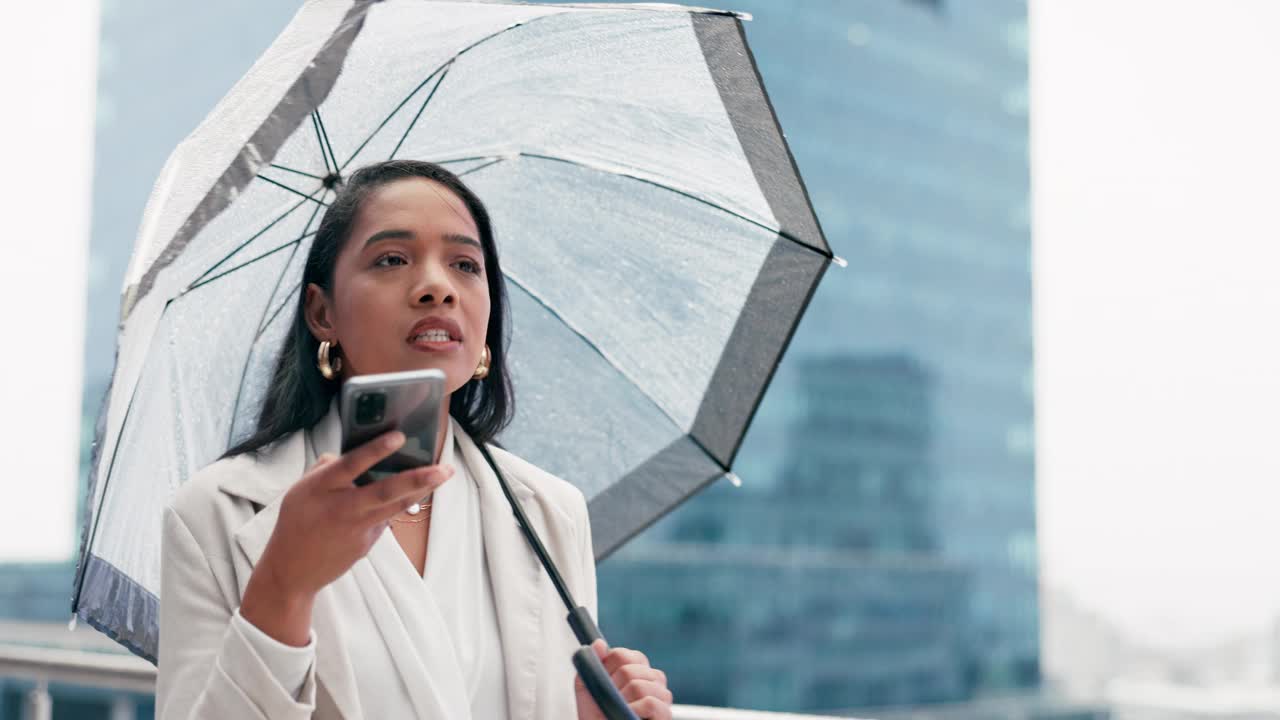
(883, 549)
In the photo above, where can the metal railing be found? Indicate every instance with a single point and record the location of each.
(128, 675)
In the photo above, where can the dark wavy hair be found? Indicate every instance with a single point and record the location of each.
(299, 396)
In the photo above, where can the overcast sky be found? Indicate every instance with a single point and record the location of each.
(1155, 153)
(48, 69)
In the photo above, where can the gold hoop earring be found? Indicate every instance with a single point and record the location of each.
(328, 368)
(482, 370)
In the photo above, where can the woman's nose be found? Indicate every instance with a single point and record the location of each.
(434, 288)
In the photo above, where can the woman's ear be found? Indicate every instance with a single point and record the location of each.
(318, 312)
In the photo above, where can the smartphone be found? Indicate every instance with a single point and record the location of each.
(406, 401)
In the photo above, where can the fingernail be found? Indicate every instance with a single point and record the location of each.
(394, 439)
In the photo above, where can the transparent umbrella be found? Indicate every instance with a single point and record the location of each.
(657, 240)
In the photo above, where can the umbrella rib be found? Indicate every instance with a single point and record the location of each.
(295, 191)
(306, 232)
(414, 121)
(92, 531)
(447, 63)
(245, 244)
(324, 142)
(242, 265)
(298, 172)
(478, 168)
(235, 407)
(466, 159)
(320, 141)
(491, 36)
(390, 115)
(324, 155)
(587, 341)
(778, 231)
(662, 186)
(279, 309)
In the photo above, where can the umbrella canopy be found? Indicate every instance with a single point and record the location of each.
(657, 240)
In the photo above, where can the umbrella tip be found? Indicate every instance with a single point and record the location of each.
(733, 478)
(839, 261)
(71, 625)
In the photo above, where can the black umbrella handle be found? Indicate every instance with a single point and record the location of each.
(602, 689)
(584, 628)
(598, 683)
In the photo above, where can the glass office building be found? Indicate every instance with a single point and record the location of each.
(882, 551)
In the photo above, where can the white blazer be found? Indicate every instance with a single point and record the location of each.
(213, 538)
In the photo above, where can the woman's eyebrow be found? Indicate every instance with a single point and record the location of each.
(463, 239)
(399, 234)
(389, 235)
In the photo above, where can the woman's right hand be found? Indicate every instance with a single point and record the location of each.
(326, 524)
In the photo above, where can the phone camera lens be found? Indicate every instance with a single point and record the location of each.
(370, 407)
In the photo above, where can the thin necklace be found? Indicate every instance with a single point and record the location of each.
(414, 509)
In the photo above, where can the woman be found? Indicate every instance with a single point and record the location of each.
(290, 592)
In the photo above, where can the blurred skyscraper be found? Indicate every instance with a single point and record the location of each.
(825, 591)
(887, 524)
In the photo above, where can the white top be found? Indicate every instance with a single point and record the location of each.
(449, 612)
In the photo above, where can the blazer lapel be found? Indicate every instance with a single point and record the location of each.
(515, 574)
(278, 469)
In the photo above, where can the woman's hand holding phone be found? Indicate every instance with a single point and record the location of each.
(326, 524)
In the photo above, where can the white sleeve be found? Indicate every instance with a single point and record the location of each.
(288, 664)
(208, 668)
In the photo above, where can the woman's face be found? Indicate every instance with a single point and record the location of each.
(410, 289)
